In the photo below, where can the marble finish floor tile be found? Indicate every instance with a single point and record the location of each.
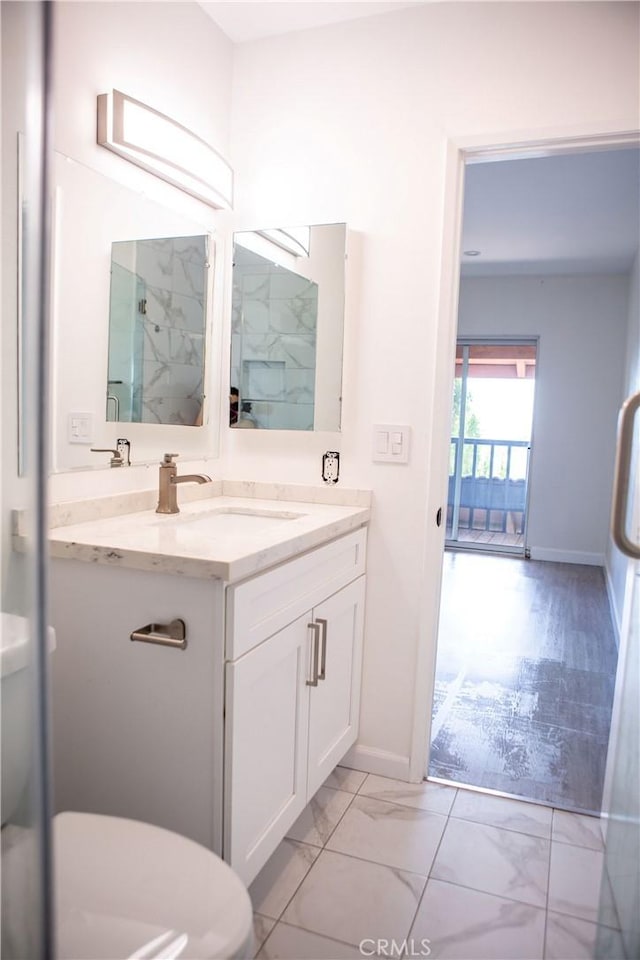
(280, 877)
(460, 923)
(319, 818)
(568, 938)
(575, 878)
(502, 862)
(292, 943)
(530, 818)
(262, 927)
(436, 797)
(389, 833)
(577, 829)
(353, 900)
(342, 778)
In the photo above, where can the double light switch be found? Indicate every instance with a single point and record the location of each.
(391, 443)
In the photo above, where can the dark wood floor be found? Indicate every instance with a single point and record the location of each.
(525, 678)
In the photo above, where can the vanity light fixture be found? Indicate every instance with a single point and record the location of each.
(164, 147)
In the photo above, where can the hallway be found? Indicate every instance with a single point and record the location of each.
(524, 680)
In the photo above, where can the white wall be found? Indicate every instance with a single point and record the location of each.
(581, 322)
(173, 57)
(351, 122)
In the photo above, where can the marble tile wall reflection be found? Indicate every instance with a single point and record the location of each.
(273, 345)
(173, 346)
(161, 364)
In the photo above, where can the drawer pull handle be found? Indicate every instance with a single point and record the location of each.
(172, 634)
(316, 650)
(323, 656)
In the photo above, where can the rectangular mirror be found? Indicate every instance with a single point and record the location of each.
(157, 322)
(137, 327)
(287, 328)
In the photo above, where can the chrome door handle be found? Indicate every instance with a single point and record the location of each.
(316, 649)
(621, 480)
(323, 657)
(172, 634)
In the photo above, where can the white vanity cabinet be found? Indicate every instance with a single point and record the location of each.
(292, 697)
(224, 741)
(137, 727)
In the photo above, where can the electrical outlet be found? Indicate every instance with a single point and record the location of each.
(123, 447)
(331, 466)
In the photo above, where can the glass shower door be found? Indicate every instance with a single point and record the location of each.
(620, 888)
(27, 925)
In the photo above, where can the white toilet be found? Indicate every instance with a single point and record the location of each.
(123, 889)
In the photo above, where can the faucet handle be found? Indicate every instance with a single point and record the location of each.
(116, 456)
(167, 459)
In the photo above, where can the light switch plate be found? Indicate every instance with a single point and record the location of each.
(80, 428)
(391, 443)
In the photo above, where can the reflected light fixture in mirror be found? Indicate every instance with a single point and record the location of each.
(165, 148)
(295, 240)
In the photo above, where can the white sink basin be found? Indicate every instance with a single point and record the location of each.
(229, 520)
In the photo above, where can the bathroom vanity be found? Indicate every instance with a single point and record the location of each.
(226, 739)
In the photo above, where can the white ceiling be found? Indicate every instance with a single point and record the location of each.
(572, 213)
(250, 21)
(576, 212)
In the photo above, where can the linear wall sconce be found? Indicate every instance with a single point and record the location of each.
(164, 147)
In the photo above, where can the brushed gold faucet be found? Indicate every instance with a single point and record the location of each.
(169, 479)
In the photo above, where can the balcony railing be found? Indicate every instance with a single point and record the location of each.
(492, 486)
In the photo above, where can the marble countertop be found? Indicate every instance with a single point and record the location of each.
(219, 536)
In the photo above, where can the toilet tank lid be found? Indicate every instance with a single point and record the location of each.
(14, 643)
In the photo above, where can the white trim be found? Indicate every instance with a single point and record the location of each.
(381, 762)
(616, 617)
(567, 556)
(436, 465)
(459, 149)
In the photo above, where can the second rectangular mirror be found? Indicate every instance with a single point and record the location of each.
(287, 328)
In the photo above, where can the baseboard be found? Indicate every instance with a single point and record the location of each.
(381, 762)
(613, 606)
(567, 556)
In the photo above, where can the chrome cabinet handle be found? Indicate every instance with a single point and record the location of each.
(316, 649)
(622, 477)
(323, 658)
(172, 634)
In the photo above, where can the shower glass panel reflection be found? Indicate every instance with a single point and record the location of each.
(490, 445)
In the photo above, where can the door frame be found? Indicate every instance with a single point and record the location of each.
(461, 150)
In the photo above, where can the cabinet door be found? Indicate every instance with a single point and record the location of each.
(267, 714)
(334, 705)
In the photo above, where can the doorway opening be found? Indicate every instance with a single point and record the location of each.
(527, 653)
(491, 425)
